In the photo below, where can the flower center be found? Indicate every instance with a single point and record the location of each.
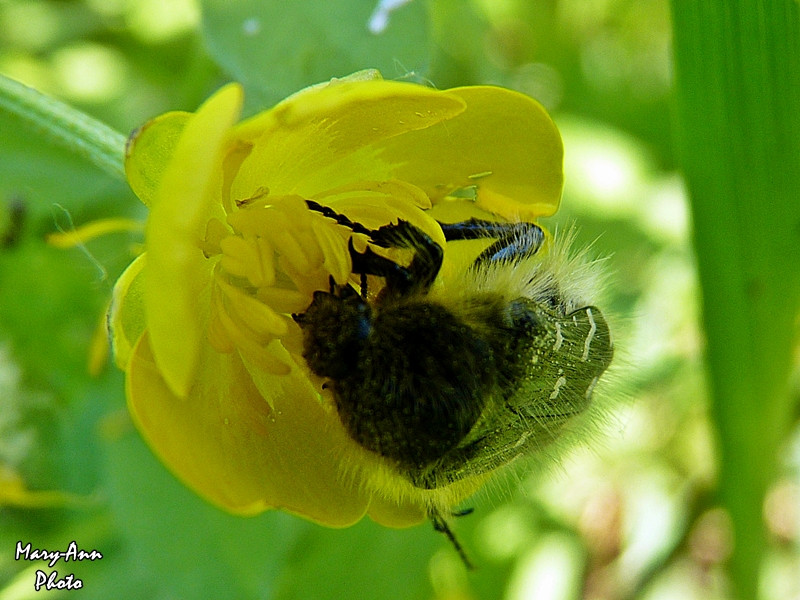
(272, 253)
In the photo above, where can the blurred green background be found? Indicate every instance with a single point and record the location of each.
(638, 515)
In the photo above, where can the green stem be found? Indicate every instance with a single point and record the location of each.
(65, 125)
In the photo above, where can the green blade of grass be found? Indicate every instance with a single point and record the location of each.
(65, 125)
(738, 103)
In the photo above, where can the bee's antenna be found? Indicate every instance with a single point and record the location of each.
(440, 525)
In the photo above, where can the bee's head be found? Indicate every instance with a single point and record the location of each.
(334, 329)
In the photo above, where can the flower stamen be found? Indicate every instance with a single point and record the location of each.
(251, 314)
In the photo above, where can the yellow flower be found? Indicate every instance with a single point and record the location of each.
(201, 321)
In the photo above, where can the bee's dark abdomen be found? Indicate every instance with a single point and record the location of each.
(422, 380)
(563, 356)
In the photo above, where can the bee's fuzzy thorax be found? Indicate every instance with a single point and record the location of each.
(557, 276)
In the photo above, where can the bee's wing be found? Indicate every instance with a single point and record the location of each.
(558, 363)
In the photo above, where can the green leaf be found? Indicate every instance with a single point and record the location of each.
(738, 100)
(365, 559)
(277, 48)
(178, 545)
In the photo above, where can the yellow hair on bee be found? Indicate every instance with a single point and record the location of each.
(555, 276)
(447, 374)
(557, 268)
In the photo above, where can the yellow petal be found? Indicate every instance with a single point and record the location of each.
(149, 150)
(225, 442)
(177, 283)
(504, 143)
(326, 136)
(126, 313)
(391, 514)
(397, 503)
(363, 75)
(99, 346)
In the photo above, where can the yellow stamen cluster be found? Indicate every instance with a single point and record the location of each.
(273, 252)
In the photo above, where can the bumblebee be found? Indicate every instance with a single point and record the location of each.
(447, 384)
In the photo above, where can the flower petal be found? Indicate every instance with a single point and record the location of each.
(148, 151)
(126, 316)
(178, 275)
(225, 442)
(398, 504)
(318, 139)
(504, 144)
(389, 514)
(240, 421)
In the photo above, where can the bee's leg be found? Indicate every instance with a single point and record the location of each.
(327, 211)
(441, 525)
(369, 263)
(418, 275)
(428, 255)
(514, 240)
